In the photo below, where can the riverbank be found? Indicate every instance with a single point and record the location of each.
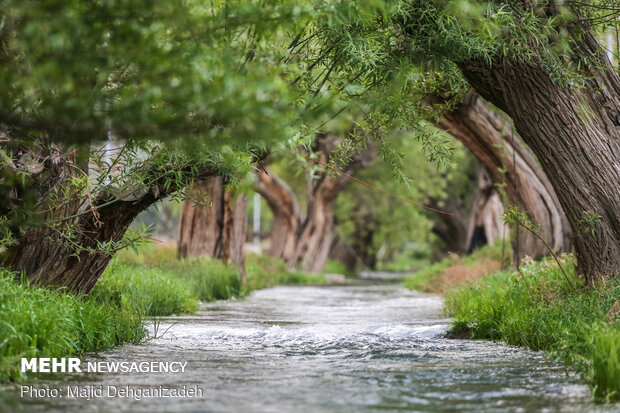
(538, 308)
(37, 322)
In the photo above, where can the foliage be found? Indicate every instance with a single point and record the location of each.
(38, 322)
(443, 276)
(570, 324)
(371, 221)
(150, 291)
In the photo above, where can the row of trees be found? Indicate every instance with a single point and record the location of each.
(197, 91)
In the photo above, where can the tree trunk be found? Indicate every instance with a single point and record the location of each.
(76, 262)
(471, 226)
(575, 134)
(308, 240)
(240, 227)
(200, 227)
(489, 138)
(285, 209)
(486, 223)
(314, 236)
(217, 229)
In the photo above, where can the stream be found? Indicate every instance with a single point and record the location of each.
(364, 348)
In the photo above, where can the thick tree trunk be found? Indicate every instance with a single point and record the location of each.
(50, 258)
(511, 165)
(575, 134)
(201, 227)
(286, 215)
(307, 240)
(217, 229)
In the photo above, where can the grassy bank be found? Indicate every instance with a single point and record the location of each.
(454, 270)
(540, 310)
(37, 322)
(209, 279)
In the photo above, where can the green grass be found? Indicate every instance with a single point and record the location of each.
(546, 314)
(209, 279)
(37, 322)
(151, 291)
(428, 278)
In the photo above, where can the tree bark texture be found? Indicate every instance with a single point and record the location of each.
(286, 214)
(216, 229)
(509, 164)
(575, 135)
(76, 263)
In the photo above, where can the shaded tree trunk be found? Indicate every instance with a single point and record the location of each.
(201, 226)
(216, 229)
(76, 262)
(512, 166)
(307, 240)
(286, 214)
(575, 134)
(471, 226)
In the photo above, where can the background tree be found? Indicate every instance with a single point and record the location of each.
(539, 62)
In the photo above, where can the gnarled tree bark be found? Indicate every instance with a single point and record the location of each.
(49, 258)
(488, 136)
(216, 230)
(575, 134)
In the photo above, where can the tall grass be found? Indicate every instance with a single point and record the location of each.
(37, 322)
(150, 291)
(454, 270)
(210, 279)
(546, 314)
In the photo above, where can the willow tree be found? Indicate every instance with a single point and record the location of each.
(191, 91)
(306, 239)
(215, 227)
(539, 62)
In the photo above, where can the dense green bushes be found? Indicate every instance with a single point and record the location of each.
(546, 314)
(36, 322)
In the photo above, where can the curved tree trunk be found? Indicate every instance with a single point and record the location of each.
(285, 209)
(50, 258)
(575, 134)
(308, 240)
(314, 237)
(489, 138)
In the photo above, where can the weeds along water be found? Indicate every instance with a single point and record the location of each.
(38, 322)
(541, 311)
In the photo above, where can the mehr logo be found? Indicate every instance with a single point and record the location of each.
(51, 365)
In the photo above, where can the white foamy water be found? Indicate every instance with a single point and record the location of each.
(336, 349)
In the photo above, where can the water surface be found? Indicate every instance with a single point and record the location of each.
(327, 349)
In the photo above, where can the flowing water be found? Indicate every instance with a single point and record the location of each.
(324, 349)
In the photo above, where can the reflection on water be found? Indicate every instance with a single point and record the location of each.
(336, 349)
